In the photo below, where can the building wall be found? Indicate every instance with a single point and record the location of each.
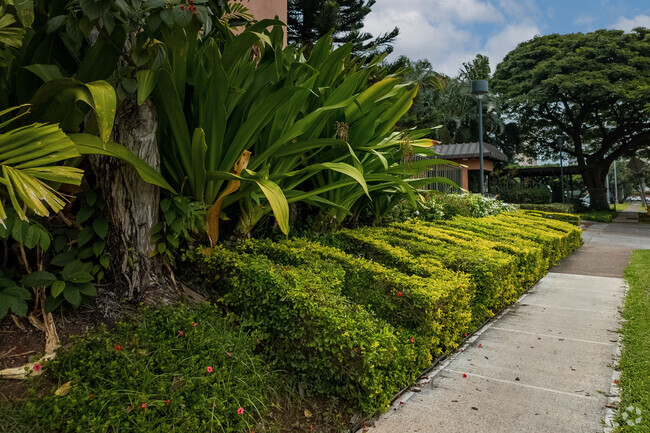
(473, 164)
(262, 9)
(268, 9)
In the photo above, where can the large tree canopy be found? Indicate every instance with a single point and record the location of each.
(590, 89)
(309, 20)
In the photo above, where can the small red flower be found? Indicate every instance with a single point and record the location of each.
(208, 369)
(464, 375)
(180, 333)
(182, 8)
(240, 411)
(143, 405)
(37, 366)
(411, 340)
(399, 294)
(287, 268)
(167, 401)
(91, 395)
(615, 381)
(194, 324)
(118, 347)
(466, 334)
(480, 345)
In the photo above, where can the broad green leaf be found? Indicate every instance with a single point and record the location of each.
(79, 277)
(85, 236)
(104, 104)
(100, 225)
(146, 79)
(89, 144)
(57, 288)
(45, 72)
(38, 278)
(72, 295)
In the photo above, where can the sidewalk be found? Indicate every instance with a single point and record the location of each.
(629, 215)
(546, 364)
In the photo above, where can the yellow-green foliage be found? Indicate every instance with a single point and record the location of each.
(331, 344)
(567, 217)
(357, 314)
(436, 307)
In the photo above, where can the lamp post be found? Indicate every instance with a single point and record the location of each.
(560, 142)
(480, 89)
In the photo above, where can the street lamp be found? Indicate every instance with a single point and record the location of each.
(480, 89)
(559, 142)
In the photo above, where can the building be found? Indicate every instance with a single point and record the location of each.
(468, 155)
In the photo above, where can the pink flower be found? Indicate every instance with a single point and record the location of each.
(411, 340)
(37, 366)
(180, 333)
(208, 369)
(466, 334)
(167, 401)
(118, 347)
(228, 353)
(143, 405)
(240, 411)
(194, 324)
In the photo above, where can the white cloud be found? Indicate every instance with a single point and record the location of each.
(585, 20)
(627, 24)
(506, 40)
(443, 31)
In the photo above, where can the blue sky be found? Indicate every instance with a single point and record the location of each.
(450, 32)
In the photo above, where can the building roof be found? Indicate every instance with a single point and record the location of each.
(469, 150)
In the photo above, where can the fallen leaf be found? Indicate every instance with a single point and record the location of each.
(307, 413)
(517, 379)
(474, 408)
(63, 389)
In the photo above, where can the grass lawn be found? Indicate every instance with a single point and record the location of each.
(620, 207)
(635, 360)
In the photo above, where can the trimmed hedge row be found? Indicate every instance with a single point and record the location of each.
(358, 314)
(331, 344)
(567, 217)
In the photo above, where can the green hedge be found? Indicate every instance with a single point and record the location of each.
(493, 273)
(567, 217)
(332, 345)
(435, 306)
(357, 314)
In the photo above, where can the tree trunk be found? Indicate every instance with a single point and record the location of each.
(594, 178)
(133, 208)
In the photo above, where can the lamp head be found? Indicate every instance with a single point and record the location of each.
(479, 88)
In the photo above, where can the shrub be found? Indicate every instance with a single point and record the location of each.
(436, 206)
(525, 195)
(436, 309)
(549, 207)
(153, 376)
(570, 218)
(333, 346)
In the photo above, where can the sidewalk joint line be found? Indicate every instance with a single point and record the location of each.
(539, 388)
(554, 336)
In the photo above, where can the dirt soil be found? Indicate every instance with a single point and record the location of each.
(18, 347)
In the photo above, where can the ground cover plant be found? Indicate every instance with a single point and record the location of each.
(635, 359)
(174, 369)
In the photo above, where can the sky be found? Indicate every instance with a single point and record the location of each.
(450, 32)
